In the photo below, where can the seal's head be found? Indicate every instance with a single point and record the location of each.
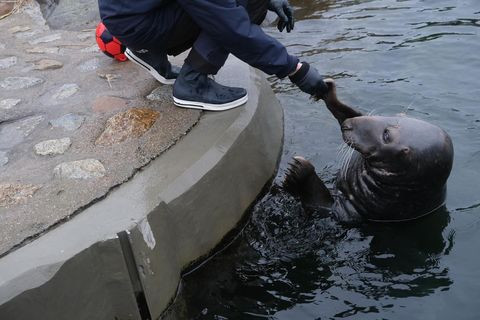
(401, 147)
(406, 163)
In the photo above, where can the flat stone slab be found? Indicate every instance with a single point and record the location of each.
(68, 122)
(8, 62)
(12, 194)
(14, 83)
(81, 169)
(66, 91)
(3, 158)
(126, 125)
(7, 104)
(50, 86)
(15, 133)
(53, 147)
(48, 64)
(108, 104)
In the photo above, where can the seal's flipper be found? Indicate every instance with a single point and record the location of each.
(302, 181)
(340, 111)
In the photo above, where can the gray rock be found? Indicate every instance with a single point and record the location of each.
(66, 91)
(52, 50)
(26, 35)
(14, 133)
(89, 65)
(68, 122)
(90, 49)
(48, 64)
(17, 29)
(45, 39)
(2, 45)
(8, 62)
(82, 169)
(13, 83)
(3, 158)
(12, 194)
(130, 124)
(52, 147)
(86, 35)
(9, 103)
(159, 94)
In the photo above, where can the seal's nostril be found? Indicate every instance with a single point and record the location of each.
(346, 127)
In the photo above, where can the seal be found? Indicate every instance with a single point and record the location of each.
(397, 168)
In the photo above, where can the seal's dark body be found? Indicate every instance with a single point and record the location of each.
(398, 171)
(360, 195)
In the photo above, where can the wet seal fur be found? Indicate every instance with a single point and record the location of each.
(398, 171)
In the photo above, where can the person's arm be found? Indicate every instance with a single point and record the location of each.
(309, 80)
(229, 25)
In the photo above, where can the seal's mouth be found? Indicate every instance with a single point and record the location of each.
(351, 138)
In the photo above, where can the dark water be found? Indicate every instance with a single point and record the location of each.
(413, 56)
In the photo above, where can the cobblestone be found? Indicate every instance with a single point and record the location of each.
(81, 169)
(14, 133)
(66, 91)
(52, 147)
(13, 193)
(158, 94)
(107, 104)
(129, 124)
(89, 65)
(50, 50)
(8, 62)
(17, 29)
(46, 39)
(69, 122)
(7, 104)
(3, 158)
(14, 83)
(48, 64)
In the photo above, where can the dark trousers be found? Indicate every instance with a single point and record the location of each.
(212, 28)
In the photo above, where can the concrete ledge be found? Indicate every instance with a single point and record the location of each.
(122, 257)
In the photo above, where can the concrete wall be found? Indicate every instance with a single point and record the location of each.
(123, 256)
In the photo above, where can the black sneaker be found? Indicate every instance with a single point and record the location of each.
(197, 91)
(156, 64)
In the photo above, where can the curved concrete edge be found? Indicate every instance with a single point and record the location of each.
(122, 257)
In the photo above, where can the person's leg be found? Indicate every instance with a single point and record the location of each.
(193, 88)
(208, 55)
(229, 27)
(150, 37)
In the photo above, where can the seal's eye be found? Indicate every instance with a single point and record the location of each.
(386, 136)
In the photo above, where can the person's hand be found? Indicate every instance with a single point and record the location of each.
(285, 14)
(310, 81)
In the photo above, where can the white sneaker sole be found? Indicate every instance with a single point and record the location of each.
(208, 106)
(132, 57)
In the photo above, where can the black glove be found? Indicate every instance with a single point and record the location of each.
(309, 80)
(285, 13)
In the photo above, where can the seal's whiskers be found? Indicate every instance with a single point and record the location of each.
(345, 155)
(349, 159)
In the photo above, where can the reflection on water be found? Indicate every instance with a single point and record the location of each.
(418, 57)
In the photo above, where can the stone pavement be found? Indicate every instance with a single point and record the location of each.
(73, 124)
